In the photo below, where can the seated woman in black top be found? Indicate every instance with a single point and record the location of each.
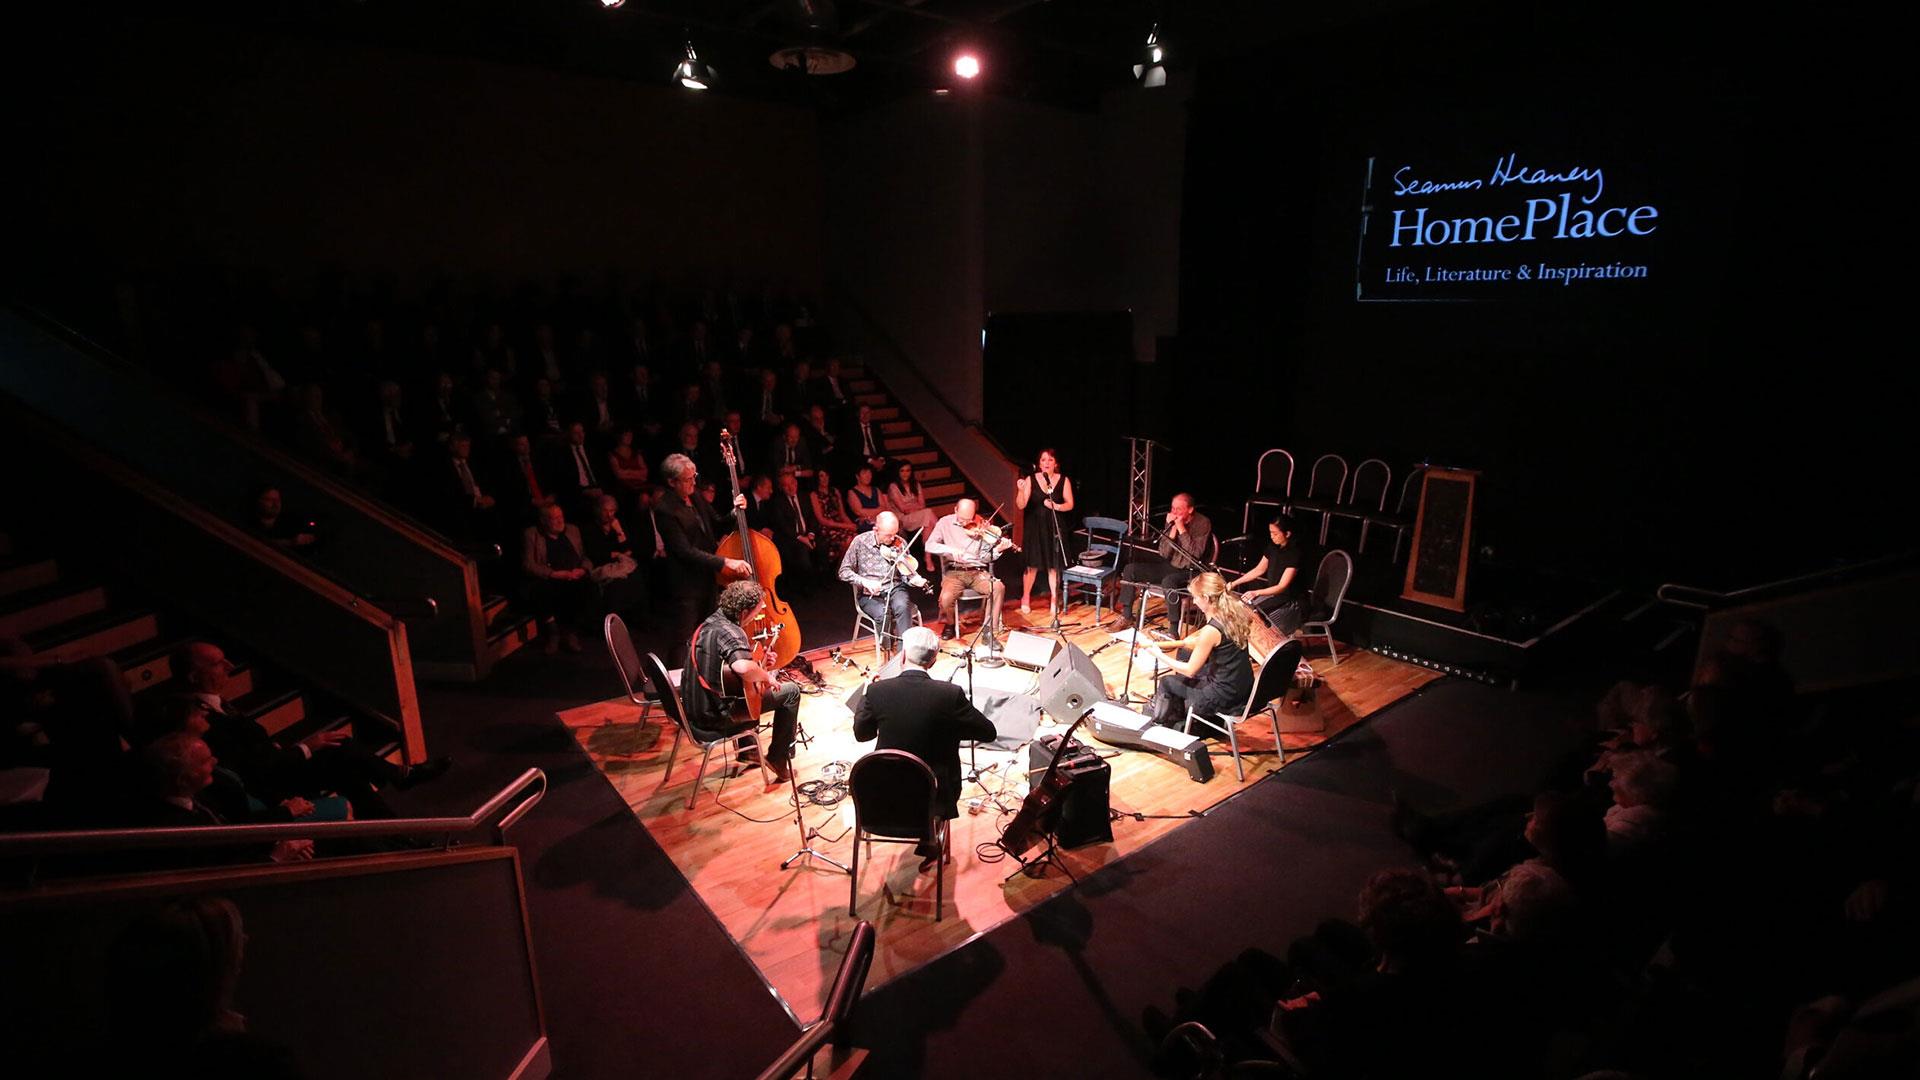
(1281, 592)
(1213, 672)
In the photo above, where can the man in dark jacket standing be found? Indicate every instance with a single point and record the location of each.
(927, 719)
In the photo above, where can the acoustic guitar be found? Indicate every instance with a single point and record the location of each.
(1025, 829)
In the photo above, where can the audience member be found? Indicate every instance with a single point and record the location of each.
(560, 582)
(172, 977)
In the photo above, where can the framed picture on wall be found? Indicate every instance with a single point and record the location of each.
(1442, 538)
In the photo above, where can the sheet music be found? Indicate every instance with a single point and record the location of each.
(1119, 716)
(1145, 657)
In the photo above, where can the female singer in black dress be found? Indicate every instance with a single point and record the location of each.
(1044, 496)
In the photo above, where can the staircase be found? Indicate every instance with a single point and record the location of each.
(905, 440)
(66, 614)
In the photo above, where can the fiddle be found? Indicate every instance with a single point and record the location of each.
(903, 563)
(982, 529)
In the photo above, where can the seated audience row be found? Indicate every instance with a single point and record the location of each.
(1726, 874)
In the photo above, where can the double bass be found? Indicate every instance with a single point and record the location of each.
(771, 627)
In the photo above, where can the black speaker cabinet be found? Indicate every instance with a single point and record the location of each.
(1081, 816)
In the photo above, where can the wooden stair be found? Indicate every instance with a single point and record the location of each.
(905, 440)
(66, 621)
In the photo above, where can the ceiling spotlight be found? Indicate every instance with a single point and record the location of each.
(967, 66)
(1151, 70)
(611, 4)
(692, 73)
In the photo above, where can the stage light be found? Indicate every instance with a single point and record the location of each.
(691, 72)
(611, 4)
(1151, 70)
(967, 66)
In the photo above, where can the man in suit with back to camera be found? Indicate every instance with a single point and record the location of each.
(925, 718)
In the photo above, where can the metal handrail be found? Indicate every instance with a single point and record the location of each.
(848, 983)
(417, 607)
(1700, 598)
(92, 840)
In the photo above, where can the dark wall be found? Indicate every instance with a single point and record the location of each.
(903, 211)
(152, 145)
(1693, 422)
(943, 212)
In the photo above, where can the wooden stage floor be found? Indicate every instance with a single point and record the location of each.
(793, 924)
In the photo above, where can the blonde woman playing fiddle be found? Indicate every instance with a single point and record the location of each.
(1212, 668)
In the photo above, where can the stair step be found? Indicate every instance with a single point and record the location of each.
(905, 442)
(99, 634)
(148, 664)
(863, 385)
(933, 472)
(512, 637)
(274, 710)
(886, 412)
(896, 427)
(942, 492)
(19, 575)
(494, 606)
(875, 400)
(920, 457)
(36, 609)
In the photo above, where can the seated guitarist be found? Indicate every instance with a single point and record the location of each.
(721, 666)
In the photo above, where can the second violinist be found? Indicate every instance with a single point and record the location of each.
(880, 570)
(967, 545)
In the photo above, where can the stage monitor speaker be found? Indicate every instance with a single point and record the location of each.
(1081, 815)
(1070, 685)
(887, 671)
(1028, 650)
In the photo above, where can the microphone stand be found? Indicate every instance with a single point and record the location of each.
(806, 834)
(988, 617)
(894, 583)
(1133, 646)
(1055, 600)
(1199, 565)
